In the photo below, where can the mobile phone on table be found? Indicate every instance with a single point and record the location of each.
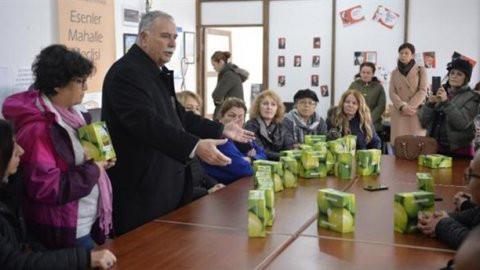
(436, 82)
(375, 187)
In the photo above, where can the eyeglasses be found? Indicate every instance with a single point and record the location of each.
(81, 81)
(469, 175)
(307, 102)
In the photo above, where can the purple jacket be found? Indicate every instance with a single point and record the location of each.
(53, 183)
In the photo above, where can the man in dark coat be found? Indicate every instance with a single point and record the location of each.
(154, 137)
(453, 228)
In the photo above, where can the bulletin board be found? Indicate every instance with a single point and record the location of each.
(302, 29)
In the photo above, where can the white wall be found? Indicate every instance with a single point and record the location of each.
(234, 12)
(26, 27)
(446, 26)
(366, 35)
(310, 19)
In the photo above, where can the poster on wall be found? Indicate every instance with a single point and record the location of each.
(324, 90)
(429, 59)
(316, 43)
(281, 81)
(88, 27)
(282, 42)
(362, 57)
(281, 61)
(383, 75)
(352, 15)
(314, 80)
(316, 61)
(297, 61)
(386, 17)
(457, 55)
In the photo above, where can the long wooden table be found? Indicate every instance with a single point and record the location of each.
(211, 233)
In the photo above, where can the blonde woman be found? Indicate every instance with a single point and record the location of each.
(266, 115)
(352, 116)
(190, 101)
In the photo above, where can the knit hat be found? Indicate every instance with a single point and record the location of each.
(305, 93)
(462, 65)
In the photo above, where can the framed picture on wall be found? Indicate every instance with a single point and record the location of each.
(281, 81)
(281, 61)
(128, 41)
(314, 80)
(297, 61)
(130, 16)
(429, 59)
(324, 90)
(316, 43)
(316, 61)
(282, 43)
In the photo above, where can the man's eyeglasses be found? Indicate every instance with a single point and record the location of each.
(81, 81)
(307, 102)
(468, 175)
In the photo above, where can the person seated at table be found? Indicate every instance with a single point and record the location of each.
(303, 119)
(463, 201)
(373, 92)
(467, 255)
(14, 238)
(454, 227)
(232, 110)
(352, 116)
(448, 115)
(203, 184)
(266, 118)
(68, 198)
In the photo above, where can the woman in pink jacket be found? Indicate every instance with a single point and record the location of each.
(408, 89)
(68, 197)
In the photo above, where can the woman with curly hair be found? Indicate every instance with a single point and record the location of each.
(68, 195)
(266, 118)
(13, 235)
(352, 116)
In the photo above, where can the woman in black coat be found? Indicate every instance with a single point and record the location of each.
(16, 251)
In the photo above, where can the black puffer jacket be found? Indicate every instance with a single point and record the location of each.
(16, 252)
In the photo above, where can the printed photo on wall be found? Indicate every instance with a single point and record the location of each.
(281, 61)
(282, 42)
(362, 57)
(457, 55)
(429, 59)
(281, 81)
(383, 74)
(314, 80)
(297, 61)
(324, 90)
(255, 91)
(352, 15)
(316, 61)
(386, 17)
(316, 43)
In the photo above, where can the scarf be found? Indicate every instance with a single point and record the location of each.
(267, 132)
(300, 127)
(74, 120)
(405, 68)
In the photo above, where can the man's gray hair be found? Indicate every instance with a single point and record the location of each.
(147, 20)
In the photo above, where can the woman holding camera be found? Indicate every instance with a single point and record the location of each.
(448, 114)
